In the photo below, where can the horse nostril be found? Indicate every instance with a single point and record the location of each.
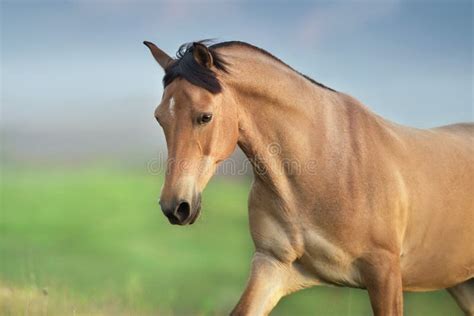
(183, 211)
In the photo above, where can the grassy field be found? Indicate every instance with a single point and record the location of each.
(94, 242)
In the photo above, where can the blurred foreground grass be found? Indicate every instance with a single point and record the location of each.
(93, 242)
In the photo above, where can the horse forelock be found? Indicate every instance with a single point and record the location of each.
(185, 66)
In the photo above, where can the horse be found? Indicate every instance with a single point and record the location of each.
(340, 196)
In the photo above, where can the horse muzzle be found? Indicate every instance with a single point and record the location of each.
(181, 211)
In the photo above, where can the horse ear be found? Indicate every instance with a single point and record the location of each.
(202, 55)
(160, 56)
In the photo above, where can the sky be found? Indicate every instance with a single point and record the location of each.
(76, 80)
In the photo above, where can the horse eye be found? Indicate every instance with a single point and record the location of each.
(205, 118)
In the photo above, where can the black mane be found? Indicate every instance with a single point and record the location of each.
(186, 67)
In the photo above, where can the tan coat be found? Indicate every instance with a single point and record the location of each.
(340, 196)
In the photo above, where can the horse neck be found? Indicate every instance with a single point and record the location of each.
(284, 120)
(288, 124)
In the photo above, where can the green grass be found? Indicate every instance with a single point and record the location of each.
(93, 241)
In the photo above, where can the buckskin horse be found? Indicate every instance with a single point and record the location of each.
(384, 207)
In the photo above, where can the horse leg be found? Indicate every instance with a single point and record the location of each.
(382, 277)
(267, 283)
(463, 294)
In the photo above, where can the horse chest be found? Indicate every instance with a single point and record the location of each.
(328, 261)
(292, 241)
(323, 259)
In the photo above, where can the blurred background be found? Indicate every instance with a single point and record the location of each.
(81, 154)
